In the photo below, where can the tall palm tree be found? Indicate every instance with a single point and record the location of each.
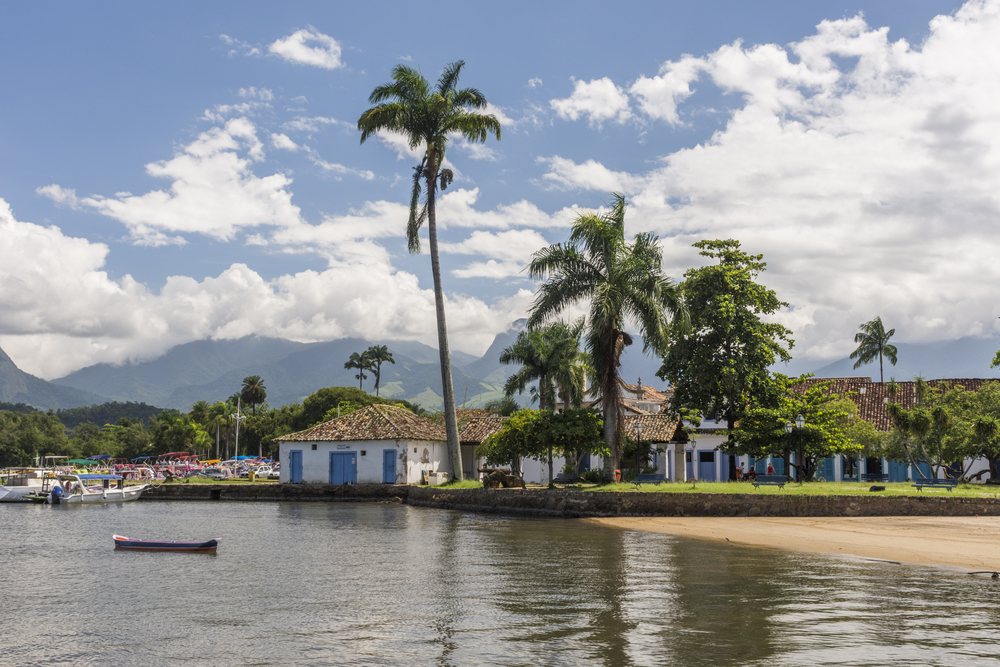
(360, 362)
(217, 418)
(379, 354)
(873, 341)
(427, 117)
(623, 282)
(253, 392)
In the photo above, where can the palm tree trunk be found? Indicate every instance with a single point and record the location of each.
(450, 418)
(610, 426)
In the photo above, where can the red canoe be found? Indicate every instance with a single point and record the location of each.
(166, 545)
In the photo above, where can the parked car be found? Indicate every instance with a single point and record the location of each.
(214, 473)
(275, 473)
(262, 472)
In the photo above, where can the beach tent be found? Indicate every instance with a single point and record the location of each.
(82, 462)
(99, 457)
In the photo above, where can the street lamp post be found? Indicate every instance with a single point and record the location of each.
(788, 444)
(238, 417)
(800, 422)
(638, 442)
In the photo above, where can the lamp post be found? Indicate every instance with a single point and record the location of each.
(788, 442)
(800, 422)
(238, 417)
(638, 442)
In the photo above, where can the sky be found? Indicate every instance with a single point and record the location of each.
(182, 171)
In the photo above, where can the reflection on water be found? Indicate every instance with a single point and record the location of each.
(336, 584)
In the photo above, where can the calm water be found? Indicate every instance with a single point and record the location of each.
(363, 584)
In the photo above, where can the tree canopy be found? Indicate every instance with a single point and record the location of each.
(719, 364)
(623, 283)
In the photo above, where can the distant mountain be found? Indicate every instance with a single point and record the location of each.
(962, 358)
(16, 386)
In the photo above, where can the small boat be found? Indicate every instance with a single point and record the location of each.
(208, 547)
(77, 489)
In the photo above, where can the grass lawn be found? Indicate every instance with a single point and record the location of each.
(793, 488)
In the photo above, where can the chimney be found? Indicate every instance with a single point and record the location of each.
(639, 392)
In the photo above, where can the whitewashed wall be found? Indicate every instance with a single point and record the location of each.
(412, 457)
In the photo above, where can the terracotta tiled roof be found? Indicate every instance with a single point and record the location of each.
(463, 415)
(649, 393)
(655, 428)
(480, 428)
(872, 398)
(376, 422)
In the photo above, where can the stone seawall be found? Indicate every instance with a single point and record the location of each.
(271, 492)
(568, 503)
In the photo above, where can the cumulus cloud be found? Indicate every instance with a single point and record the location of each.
(263, 94)
(863, 169)
(60, 195)
(308, 47)
(59, 310)
(213, 191)
(304, 124)
(534, 83)
(282, 142)
(599, 99)
(510, 252)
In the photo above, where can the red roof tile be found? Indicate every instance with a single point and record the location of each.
(376, 422)
(480, 428)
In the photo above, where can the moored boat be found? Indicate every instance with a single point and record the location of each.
(81, 488)
(210, 546)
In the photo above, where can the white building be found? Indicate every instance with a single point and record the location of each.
(380, 444)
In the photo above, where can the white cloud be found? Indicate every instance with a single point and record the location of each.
(600, 100)
(263, 94)
(221, 111)
(864, 170)
(213, 191)
(509, 252)
(282, 142)
(304, 124)
(63, 196)
(309, 47)
(534, 83)
(59, 311)
(239, 47)
(565, 174)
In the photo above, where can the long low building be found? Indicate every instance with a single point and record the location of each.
(378, 444)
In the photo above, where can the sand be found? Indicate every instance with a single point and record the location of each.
(971, 543)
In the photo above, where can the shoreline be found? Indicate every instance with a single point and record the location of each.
(971, 543)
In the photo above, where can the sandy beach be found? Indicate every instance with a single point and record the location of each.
(964, 542)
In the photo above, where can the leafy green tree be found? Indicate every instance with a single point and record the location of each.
(926, 431)
(23, 436)
(317, 406)
(719, 365)
(761, 430)
(377, 355)
(545, 355)
(623, 282)
(873, 343)
(427, 117)
(540, 434)
(361, 363)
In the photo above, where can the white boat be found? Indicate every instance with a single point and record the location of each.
(17, 483)
(93, 488)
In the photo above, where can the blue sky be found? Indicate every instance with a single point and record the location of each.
(186, 171)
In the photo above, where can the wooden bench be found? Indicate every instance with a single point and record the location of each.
(937, 483)
(650, 478)
(769, 480)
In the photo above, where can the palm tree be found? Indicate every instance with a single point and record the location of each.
(873, 341)
(546, 356)
(362, 363)
(622, 281)
(427, 117)
(253, 392)
(378, 354)
(217, 418)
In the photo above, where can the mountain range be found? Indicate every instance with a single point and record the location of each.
(214, 370)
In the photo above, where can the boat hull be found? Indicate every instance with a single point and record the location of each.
(104, 496)
(210, 546)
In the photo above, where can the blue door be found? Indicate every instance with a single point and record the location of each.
(388, 466)
(343, 468)
(897, 472)
(689, 467)
(825, 469)
(706, 466)
(923, 471)
(295, 466)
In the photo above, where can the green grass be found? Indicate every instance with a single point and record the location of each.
(793, 488)
(464, 484)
